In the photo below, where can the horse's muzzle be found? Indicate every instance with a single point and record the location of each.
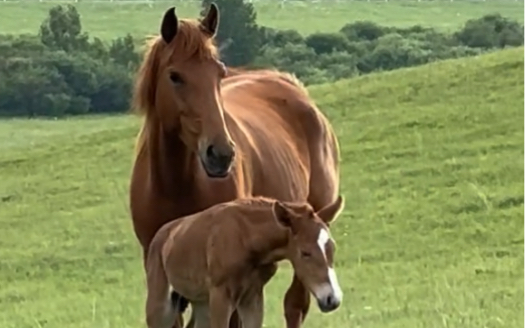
(218, 161)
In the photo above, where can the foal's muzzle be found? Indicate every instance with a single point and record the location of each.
(217, 160)
(328, 303)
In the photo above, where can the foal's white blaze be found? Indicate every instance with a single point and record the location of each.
(332, 287)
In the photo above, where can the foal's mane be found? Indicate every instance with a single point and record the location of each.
(190, 42)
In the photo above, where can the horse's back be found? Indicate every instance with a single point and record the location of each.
(286, 130)
(276, 100)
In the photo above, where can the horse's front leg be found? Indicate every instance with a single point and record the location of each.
(296, 303)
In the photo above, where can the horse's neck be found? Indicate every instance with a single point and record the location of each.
(268, 241)
(170, 163)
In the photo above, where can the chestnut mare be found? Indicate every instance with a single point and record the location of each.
(209, 137)
(213, 259)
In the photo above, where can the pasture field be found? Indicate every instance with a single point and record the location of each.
(111, 19)
(432, 233)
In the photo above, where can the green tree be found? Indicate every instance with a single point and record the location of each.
(122, 51)
(238, 34)
(62, 30)
(279, 38)
(491, 31)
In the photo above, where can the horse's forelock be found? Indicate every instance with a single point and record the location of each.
(191, 42)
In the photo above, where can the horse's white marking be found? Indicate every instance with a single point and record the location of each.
(332, 287)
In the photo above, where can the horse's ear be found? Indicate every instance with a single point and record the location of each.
(282, 215)
(330, 212)
(169, 26)
(210, 23)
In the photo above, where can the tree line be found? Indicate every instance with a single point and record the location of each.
(61, 70)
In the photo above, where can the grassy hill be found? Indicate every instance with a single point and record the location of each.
(110, 19)
(432, 234)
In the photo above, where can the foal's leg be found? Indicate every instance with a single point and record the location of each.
(251, 310)
(265, 274)
(177, 320)
(235, 320)
(251, 306)
(221, 308)
(160, 312)
(201, 315)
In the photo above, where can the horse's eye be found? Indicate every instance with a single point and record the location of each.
(176, 78)
(306, 254)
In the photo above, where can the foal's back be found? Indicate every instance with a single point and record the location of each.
(187, 248)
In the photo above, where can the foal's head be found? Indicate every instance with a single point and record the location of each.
(179, 85)
(311, 249)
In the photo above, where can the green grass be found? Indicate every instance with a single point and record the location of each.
(432, 234)
(108, 20)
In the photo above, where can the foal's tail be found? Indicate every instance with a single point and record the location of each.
(164, 307)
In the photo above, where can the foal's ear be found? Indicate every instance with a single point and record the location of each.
(282, 215)
(330, 212)
(210, 23)
(169, 26)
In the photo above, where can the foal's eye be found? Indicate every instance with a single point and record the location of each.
(176, 78)
(306, 254)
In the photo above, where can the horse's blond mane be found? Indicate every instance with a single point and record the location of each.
(190, 42)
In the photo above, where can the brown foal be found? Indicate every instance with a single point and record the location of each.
(213, 259)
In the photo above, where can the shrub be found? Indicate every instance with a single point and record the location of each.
(491, 31)
(324, 43)
(62, 72)
(363, 31)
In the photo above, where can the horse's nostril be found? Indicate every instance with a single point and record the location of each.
(210, 152)
(216, 153)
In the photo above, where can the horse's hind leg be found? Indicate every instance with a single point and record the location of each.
(323, 190)
(296, 303)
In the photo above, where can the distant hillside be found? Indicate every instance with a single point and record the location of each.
(113, 19)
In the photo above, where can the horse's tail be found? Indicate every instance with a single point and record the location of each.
(164, 307)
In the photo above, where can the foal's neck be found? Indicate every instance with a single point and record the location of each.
(268, 241)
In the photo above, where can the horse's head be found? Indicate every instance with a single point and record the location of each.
(179, 85)
(311, 249)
